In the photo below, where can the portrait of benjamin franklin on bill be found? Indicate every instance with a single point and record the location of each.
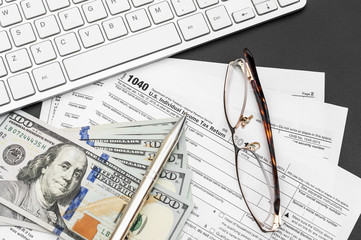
(50, 179)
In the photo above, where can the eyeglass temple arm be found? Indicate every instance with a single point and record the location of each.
(262, 105)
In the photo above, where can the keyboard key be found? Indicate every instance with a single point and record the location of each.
(4, 42)
(33, 8)
(114, 28)
(138, 20)
(98, 59)
(183, 7)
(18, 60)
(161, 12)
(3, 71)
(218, 18)
(23, 34)
(21, 86)
(206, 3)
(9, 15)
(43, 52)
(255, 2)
(47, 26)
(78, 1)
(117, 6)
(243, 15)
(266, 7)
(4, 96)
(57, 4)
(94, 11)
(284, 3)
(91, 36)
(71, 18)
(193, 26)
(67, 44)
(138, 3)
(48, 76)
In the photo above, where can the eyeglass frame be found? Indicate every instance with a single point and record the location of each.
(248, 68)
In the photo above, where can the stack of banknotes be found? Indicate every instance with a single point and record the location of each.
(79, 189)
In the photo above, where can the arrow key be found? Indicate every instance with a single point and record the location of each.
(266, 7)
(243, 15)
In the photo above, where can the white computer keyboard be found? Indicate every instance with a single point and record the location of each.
(48, 47)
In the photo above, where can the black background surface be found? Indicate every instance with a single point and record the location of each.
(324, 36)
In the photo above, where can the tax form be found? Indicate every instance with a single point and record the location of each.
(202, 83)
(319, 200)
(14, 233)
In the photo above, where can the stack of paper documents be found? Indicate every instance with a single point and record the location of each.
(319, 199)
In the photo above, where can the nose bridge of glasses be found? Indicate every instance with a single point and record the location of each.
(243, 121)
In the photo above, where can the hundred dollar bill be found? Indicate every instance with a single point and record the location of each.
(150, 135)
(162, 217)
(66, 186)
(141, 140)
(118, 129)
(178, 158)
(178, 179)
(88, 131)
(167, 122)
(172, 178)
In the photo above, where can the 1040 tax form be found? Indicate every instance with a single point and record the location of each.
(319, 200)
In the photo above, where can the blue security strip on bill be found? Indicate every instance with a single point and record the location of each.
(75, 203)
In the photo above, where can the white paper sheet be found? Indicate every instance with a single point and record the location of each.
(319, 200)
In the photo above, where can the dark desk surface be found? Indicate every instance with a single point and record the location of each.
(325, 36)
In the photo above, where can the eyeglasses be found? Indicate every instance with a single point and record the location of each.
(261, 197)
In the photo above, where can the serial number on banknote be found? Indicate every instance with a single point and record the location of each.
(23, 135)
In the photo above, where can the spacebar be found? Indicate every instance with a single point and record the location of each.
(121, 51)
